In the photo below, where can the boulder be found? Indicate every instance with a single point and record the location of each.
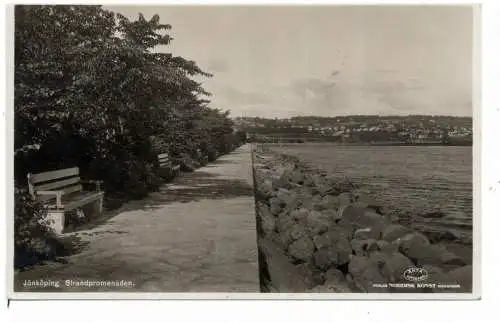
(336, 233)
(321, 241)
(284, 222)
(268, 221)
(325, 257)
(435, 255)
(369, 201)
(293, 205)
(279, 171)
(328, 202)
(307, 203)
(364, 247)
(285, 196)
(300, 214)
(450, 261)
(312, 203)
(304, 192)
(334, 276)
(389, 247)
(316, 199)
(297, 231)
(353, 218)
(394, 231)
(365, 273)
(358, 247)
(302, 249)
(462, 276)
(297, 176)
(435, 275)
(334, 254)
(345, 199)
(353, 286)
(372, 246)
(393, 266)
(413, 243)
(357, 265)
(278, 182)
(308, 181)
(361, 205)
(266, 187)
(283, 239)
(344, 251)
(312, 276)
(331, 214)
(317, 222)
(382, 244)
(287, 174)
(366, 233)
(275, 205)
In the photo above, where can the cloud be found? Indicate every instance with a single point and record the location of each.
(218, 65)
(325, 97)
(374, 95)
(311, 87)
(235, 96)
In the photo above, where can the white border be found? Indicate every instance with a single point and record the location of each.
(477, 203)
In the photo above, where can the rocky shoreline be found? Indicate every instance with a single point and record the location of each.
(317, 234)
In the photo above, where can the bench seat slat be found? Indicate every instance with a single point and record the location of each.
(46, 198)
(72, 189)
(58, 184)
(71, 202)
(82, 199)
(56, 174)
(67, 191)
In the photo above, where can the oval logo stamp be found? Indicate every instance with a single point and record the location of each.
(416, 274)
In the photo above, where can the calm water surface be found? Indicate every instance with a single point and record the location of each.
(414, 179)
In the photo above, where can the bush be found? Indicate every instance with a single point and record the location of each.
(34, 240)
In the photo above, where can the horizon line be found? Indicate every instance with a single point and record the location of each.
(358, 115)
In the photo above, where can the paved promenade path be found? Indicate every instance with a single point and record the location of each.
(197, 234)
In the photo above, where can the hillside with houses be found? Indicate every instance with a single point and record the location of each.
(372, 129)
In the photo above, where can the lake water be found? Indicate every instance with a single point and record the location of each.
(413, 180)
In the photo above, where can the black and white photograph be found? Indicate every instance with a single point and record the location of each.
(247, 151)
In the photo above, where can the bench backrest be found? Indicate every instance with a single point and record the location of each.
(67, 180)
(164, 160)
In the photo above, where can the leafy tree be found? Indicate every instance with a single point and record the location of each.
(91, 91)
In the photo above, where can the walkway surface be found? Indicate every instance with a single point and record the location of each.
(197, 234)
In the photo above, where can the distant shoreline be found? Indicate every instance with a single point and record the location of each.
(469, 144)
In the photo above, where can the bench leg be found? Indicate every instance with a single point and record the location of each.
(97, 208)
(57, 221)
(100, 208)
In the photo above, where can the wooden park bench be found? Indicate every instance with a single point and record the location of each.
(62, 191)
(203, 159)
(166, 164)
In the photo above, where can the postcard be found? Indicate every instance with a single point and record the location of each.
(244, 152)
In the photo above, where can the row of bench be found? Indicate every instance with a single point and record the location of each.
(63, 190)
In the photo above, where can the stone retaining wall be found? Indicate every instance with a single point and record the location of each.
(318, 235)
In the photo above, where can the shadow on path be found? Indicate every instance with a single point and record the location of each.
(187, 187)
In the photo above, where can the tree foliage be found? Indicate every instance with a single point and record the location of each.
(92, 91)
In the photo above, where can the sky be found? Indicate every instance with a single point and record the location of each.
(282, 61)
